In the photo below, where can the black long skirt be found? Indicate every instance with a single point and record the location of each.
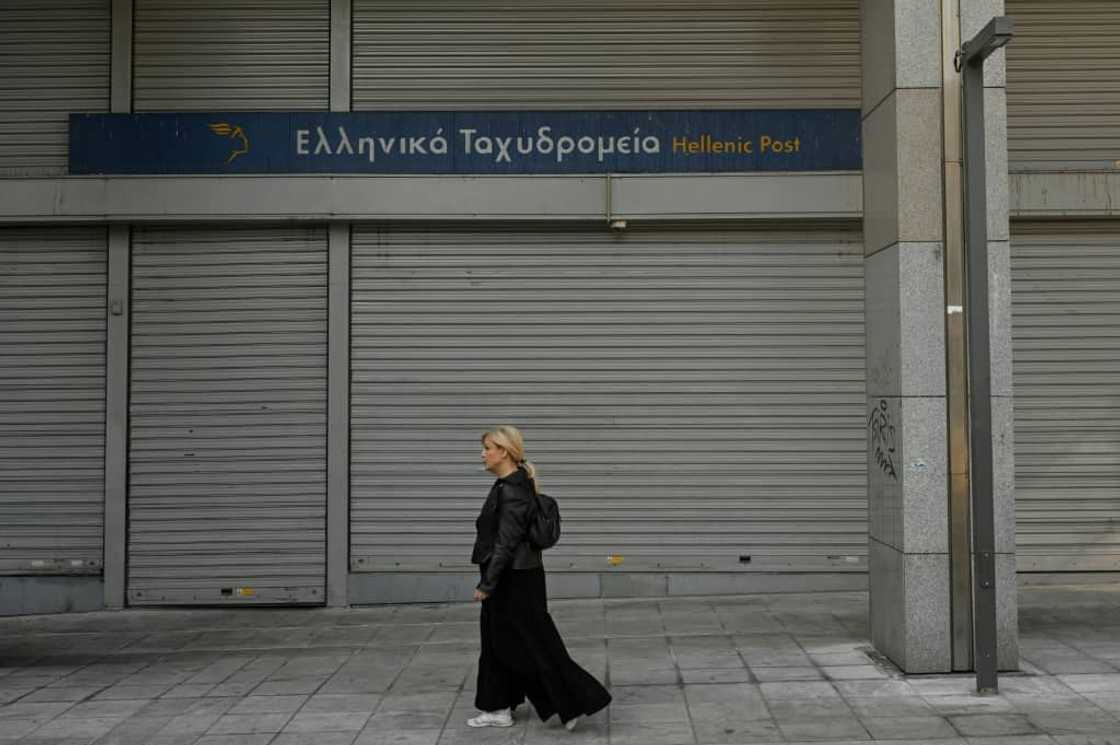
(523, 655)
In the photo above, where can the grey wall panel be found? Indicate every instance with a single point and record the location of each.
(1066, 332)
(692, 396)
(485, 54)
(1063, 84)
(232, 55)
(227, 441)
(55, 60)
(52, 399)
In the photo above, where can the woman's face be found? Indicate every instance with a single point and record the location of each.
(493, 456)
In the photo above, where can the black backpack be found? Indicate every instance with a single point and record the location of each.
(544, 524)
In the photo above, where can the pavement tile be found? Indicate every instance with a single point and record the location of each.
(1110, 738)
(653, 694)
(13, 729)
(1091, 683)
(328, 721)
(53, 693)
(726, 712)
(268, 704)
(93, 727)
(797, 709)
(248, 724)
(652, 733)
(853, 672)
(288, 687)
(379, 736)
(730, 730)
(798, 690)
(342, 702)
(134, 731)
(401, 720)
(1074, 722)
(780, 674)
(314, 738)
(878, 707)
(41, 711)
(969, 704)
(666, 712)
(991, 725)
(833, 728)
(907, 727)
(234, 740)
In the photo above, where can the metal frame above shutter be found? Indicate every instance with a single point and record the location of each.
(52, 400)
(1065, 295)
(693, 397)
(55, 61)
(1063, 84)
(227, 429)
(606, 54)
(233, 55)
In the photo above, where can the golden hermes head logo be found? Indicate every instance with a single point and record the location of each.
(233, 132)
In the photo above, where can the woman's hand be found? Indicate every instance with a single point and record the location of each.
(480, 595)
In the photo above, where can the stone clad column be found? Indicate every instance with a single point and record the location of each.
(906, 389)
(904, 272)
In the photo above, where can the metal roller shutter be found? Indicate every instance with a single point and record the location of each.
(1063, 84)
(234, 55)
(55, 58)
(692, 397)
(1065, 291)
(606, 54)
(227, 441)
(52, 400)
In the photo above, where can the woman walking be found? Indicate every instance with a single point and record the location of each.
(522, 654)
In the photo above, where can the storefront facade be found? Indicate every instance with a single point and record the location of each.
(267, 387)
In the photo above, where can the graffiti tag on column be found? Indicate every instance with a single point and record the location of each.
(882, 438)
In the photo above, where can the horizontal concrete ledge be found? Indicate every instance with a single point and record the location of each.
(378, 588)
(33, 595)
(1065, 194)
(325, 198)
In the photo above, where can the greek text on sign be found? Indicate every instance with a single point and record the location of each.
(501, 142)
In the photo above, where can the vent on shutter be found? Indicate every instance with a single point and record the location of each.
(1065, 296)
(1063, 84)
(55, 61)
(692, 397)
(52, 400)
(227, 448)
(606, 54)
(233, 55)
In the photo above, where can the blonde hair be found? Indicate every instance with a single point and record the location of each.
(509, 438)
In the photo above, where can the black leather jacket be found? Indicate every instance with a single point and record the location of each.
(501, 528)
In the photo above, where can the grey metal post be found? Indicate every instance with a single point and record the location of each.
(116, 418)
(338, 415)
(115, 534)
(972, 56)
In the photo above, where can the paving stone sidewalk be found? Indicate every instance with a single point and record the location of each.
(683, 671)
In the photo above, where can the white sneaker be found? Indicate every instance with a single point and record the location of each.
(499, 718)
(570, 725)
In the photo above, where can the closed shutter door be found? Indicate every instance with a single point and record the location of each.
(606, 54)
(55, 60)
(692, 397)
(227, 450)
(52, 400)
(231, 55)
(1063, 84)
(1065, 295)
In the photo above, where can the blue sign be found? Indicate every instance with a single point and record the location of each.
(492, 142)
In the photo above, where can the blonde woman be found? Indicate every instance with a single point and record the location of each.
(522, 653)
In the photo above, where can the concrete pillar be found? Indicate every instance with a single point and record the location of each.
(904, 265)
(906, 391)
